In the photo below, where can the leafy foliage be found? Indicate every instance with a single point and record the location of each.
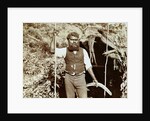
(37, 60)
(119, 53)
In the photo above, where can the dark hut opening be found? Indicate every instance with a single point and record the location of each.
(113, 76)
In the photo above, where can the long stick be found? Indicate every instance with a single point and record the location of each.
(106, 61)
(55, 66)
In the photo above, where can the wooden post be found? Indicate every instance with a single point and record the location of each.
(105, 81)
(55, 92)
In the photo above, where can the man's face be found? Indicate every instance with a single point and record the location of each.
(73, 43)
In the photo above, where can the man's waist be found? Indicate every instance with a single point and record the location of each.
(75, 73)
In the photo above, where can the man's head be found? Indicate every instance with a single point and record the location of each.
(73, 41)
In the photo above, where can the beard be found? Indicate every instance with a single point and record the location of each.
(74, 46)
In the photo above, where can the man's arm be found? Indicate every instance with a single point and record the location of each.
(59, 52)
(89, 66)
(90, 70)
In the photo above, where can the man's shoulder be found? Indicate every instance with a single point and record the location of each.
(61, 49)
(84, 50)
(61, 52)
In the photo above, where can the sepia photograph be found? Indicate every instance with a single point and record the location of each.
(75, 60)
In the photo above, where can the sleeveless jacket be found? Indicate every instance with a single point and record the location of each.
(75, 62)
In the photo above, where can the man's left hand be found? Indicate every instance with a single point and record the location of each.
(96, 82)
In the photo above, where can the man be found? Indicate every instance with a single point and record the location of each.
(77, 62)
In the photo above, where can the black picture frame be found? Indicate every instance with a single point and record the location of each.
(27, 3)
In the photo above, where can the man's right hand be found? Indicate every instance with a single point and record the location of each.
(52, 46)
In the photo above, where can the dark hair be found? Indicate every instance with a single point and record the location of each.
(72, 34)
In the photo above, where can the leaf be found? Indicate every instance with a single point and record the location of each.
(109, 52)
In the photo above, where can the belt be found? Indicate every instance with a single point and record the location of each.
(75, 74)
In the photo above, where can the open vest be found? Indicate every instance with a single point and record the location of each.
(75, 62)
